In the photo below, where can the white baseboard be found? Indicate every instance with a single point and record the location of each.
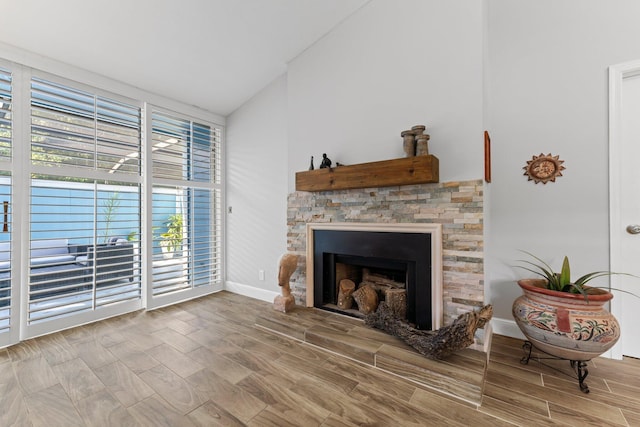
(506, 327)
(250, 291)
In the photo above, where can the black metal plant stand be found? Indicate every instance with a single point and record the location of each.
(578, 366)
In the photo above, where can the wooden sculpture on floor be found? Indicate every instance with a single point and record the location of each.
(432, 344)
(286, 266)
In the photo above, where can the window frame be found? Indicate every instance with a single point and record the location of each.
(25, 67)
(27, 328)
(10, 335)
(194, 292)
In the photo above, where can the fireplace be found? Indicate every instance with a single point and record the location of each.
(409, 255)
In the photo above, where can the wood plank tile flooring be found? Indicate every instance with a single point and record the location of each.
(205, 363)
(460, 376)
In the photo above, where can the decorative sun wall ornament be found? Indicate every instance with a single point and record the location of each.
(544, 168)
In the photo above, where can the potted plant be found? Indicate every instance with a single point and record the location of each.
(563, 317)
(171, 240)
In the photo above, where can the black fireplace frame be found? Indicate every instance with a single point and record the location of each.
(405, 250)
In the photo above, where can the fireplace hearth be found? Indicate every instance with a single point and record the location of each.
(406, 255)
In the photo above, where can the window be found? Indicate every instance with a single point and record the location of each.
(5, 198)
(5, 253)
(5, 115)
(84, 217)
(186, 204)
(70, 127)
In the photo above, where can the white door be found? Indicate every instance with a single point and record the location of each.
(624, 170)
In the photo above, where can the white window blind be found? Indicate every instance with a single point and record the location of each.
(70, 127)
(5, 114)
(185, 150)
(5, 252)
(84, 249)
(80, 258)
(5, 199)
(186, 209)
(74, 251)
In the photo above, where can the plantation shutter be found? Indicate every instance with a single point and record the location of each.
(5, 115)
(6, 230)
(186, 205)
(6, 262)
(71, 127)
(84, 252)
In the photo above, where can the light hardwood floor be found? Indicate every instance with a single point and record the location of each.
(205, 363)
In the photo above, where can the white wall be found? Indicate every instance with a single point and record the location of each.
(547, 93)
(256, 191)
(50, 65)
(396, 64)
(388, 67)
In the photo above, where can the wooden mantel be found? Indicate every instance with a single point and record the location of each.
(386, 173)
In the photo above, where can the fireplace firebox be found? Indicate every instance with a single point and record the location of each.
(399, 256)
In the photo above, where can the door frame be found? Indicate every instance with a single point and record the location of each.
(617, 74)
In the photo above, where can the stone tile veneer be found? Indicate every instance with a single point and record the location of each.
(458, 206)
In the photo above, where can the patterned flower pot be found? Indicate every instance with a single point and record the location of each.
(564, 324)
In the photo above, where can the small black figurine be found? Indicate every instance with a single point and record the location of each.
(311, 165)
(326, 162)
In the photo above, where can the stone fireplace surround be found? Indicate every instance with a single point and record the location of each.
(457, 207)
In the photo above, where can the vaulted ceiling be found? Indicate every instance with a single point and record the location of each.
(215, 54)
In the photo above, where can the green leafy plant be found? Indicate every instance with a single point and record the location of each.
(562, 281)
(172, 238)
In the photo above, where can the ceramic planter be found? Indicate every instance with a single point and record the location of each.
(564, 324)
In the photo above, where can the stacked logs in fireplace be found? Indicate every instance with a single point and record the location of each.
(373, 289)
(382, 302)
